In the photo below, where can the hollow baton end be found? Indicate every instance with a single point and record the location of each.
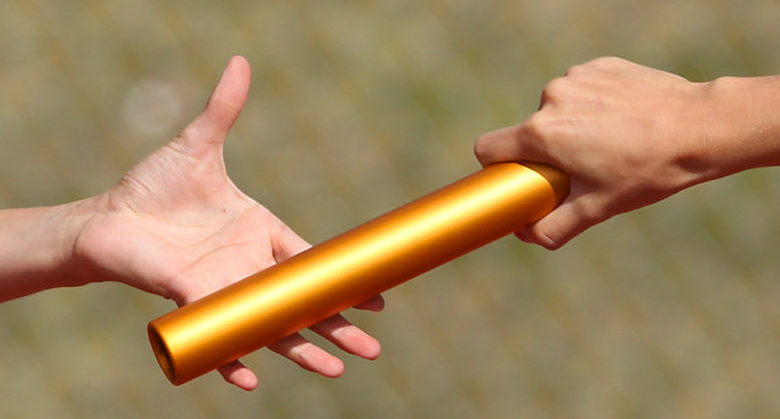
(162, 353)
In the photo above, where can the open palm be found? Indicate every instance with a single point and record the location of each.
(177, 226)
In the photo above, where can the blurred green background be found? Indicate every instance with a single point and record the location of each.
(357, 107)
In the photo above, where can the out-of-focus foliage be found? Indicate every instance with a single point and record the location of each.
(357, 107)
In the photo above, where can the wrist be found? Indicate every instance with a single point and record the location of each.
(742, 130)
(36, 248)
(76, 217)
(62, 225)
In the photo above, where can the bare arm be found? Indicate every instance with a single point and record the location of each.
(36, 247)
(630, 136)
(176, 226)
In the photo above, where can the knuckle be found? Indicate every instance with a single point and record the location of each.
(482, 147)
(608, 62)
(554, 90)
(576, 70)
(535, 127)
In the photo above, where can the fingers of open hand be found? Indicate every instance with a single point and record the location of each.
(376, 303)
(348, 337)
(238, 374)
(308, 355)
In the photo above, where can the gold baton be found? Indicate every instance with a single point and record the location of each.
(353, 267)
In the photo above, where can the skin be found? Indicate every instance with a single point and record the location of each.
(630, 135)
(175, 226)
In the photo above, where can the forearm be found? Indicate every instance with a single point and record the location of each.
(36, 249)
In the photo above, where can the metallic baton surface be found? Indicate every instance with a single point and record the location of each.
(353, 267)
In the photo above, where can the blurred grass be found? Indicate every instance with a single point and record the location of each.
(357, 107)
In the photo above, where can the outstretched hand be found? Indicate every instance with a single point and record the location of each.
(177, 226)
